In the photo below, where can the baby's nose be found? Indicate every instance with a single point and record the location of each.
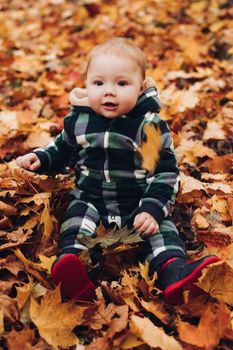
(110, 89)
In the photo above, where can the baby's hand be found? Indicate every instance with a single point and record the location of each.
(29, 161)
(145, 224)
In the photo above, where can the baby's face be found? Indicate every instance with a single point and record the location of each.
(113, 84)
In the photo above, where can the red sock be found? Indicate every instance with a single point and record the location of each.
(71, 273)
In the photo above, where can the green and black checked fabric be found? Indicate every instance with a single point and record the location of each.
(111, 184)
(107, 160)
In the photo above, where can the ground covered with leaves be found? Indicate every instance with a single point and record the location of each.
(44, 45)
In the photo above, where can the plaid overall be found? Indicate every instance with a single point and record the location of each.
(111, 184)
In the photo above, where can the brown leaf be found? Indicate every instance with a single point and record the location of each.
(1, 322)
(217, 280)
(7, 209)
(24, 339)
(214, 322)
(99, 314)
(23, 293)
(114, 237)
(156, 308)
(16, 238)
(55, 320)
(34, 269)
(220, 164)
(9, 308)
(118, 324)
(47, 221)
(130, 342)
(152, 335)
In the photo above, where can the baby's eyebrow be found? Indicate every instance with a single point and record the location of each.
(97, 77)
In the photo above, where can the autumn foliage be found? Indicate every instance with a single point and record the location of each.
(188, 45)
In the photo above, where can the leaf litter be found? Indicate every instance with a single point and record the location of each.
(43, 52)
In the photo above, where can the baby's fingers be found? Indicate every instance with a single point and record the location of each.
(139, 220)
(151, 229)
(34, 166)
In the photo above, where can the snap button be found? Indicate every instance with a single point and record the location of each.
(112, 217)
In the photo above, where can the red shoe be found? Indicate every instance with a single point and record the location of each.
(178, 273)
(69, 270)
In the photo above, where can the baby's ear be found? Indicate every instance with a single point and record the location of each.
(143, 86)
(149, 82)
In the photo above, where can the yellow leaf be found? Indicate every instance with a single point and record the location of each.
(144, 270)
(55, 320)
(200, 221)
(150, 149)
(152, 335)
(217, 280)
(157, 309)
(46, 220)
(34, 269)
(28, 263)
(47, 262)
(130, 342)
(1, 322)
(23, 293)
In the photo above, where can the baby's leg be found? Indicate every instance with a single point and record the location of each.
(166, 254)
(81, 219)
(163, 245)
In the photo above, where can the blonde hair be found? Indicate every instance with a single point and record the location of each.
(122, 47)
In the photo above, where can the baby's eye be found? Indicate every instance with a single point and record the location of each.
(98, 82)
(122, 83)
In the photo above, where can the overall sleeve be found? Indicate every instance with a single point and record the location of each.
(162, 186)
(58, 153)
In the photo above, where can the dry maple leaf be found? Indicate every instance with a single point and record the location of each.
(214, 322)
(131, 342)
(47, 262)
(25, 339)
(23, 293)
(7, 209)
(34, 269)
(9, 308)
(158, 309)
(144, 270)
(1, 322)
(115, 236)
(116, 333)
(150, 148)
(152, 335)
(99, 314)
(55, 320)
(217, 280)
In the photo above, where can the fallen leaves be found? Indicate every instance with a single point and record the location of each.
(217, 281)
(213, 325)
(152, 335)
(55, 320)
(150, 148)
(44, 46)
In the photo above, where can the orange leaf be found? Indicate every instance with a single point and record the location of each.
(215, 321)
(150, 149)
(152, 335)
(217, 280)
(55, 320)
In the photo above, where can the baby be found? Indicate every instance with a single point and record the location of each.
(103, 133)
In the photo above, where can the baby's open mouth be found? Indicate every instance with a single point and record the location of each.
(110, 104)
